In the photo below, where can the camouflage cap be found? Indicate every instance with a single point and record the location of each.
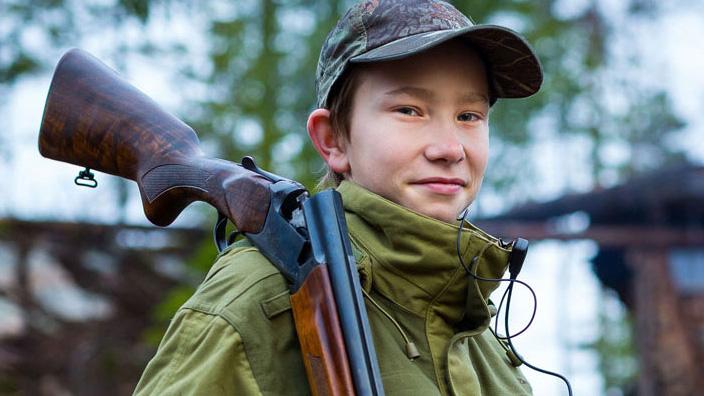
(382, 30)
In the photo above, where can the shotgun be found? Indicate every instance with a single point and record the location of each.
(95, 119)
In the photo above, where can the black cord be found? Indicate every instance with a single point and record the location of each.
(498, 311)
(513, 349)
(509, 290)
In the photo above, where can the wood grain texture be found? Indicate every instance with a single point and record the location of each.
(316, 319)
(93, 118)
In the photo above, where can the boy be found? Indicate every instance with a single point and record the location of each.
(404, 90)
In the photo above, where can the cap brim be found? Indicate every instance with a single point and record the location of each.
(513, 68)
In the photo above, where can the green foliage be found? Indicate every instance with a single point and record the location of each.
(263, 59)
(21, 64)
(137, 8)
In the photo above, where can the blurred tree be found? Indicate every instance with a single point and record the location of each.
(591, 97)
(258, 77)
(256, 84)
(260, 85)
(263, 56)
(32, 28)
(35, 33)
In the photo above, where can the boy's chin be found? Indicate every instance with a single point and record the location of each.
(440, 207)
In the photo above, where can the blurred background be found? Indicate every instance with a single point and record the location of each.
(602, 171)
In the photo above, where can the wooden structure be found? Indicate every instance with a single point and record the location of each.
(116, 273)
(650, 232)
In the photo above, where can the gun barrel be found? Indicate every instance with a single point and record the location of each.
(329, 237)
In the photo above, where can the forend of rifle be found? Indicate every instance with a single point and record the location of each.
(95, 119)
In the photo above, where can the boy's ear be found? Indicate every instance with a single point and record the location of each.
(330, 147)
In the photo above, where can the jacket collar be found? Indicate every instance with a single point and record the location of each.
(414, 260)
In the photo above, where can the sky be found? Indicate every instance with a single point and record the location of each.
(37, 188)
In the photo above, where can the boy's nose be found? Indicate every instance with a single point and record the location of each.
(446, 148)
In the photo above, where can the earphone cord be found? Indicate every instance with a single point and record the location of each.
(513, 349)
(472, 272)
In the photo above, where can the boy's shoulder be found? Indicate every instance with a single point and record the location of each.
(241, 283)
(247, 292)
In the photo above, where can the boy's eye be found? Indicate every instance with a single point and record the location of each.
(466, 117)
(407, 111)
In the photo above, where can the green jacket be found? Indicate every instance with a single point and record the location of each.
(236, 334)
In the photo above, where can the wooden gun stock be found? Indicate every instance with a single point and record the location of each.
(316, 319)
(93, 118)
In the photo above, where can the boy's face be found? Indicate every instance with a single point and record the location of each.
(419, 133)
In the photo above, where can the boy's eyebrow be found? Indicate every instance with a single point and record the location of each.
(422, 93)
(473, 97)
(418, 92)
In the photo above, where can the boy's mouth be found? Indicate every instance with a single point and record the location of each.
(442, 185)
